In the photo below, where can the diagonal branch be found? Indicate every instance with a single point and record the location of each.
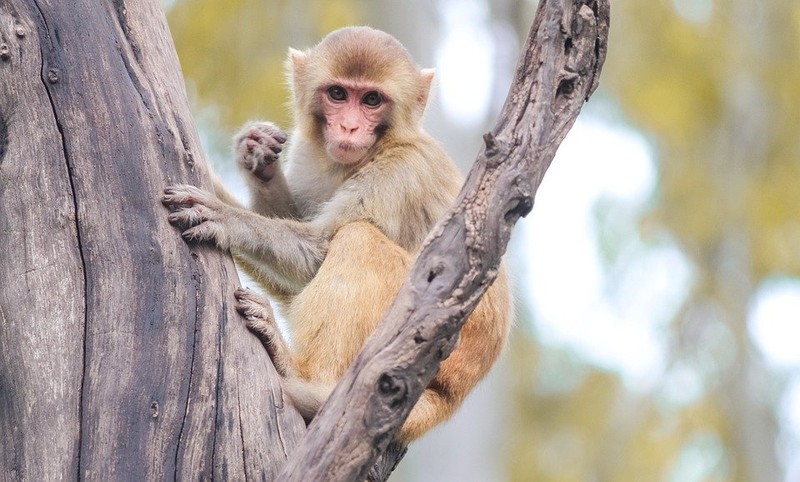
(558, 70)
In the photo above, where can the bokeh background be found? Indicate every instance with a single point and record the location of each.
(657, 278)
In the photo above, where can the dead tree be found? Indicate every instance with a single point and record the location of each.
(120, 353)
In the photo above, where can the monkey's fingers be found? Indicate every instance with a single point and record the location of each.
(267, 129)
(184, 195)
(205, 231)
(260, 160)
(188, 216)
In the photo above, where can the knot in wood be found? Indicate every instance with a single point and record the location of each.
(53, 75)
(496, 150)
(392, 388)
(5, 53)
(20, 31)
(520, 207)
(566, 85)
(435, 271)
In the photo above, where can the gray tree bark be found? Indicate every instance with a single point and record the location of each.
(121, 356)
(558, 70)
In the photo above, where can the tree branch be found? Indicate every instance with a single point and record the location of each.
(558, 70)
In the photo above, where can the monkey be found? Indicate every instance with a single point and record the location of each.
(335, 223)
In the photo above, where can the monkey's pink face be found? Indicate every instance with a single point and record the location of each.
(355, 116)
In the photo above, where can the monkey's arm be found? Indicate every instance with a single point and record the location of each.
(257, 147)
(287, 251)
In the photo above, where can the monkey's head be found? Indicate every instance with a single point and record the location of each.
(357, 86)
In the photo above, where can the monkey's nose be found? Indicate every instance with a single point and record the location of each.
(348, 130)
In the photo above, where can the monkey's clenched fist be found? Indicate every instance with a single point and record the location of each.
(257, 147)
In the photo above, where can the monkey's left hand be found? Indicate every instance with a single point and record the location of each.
(198, 213)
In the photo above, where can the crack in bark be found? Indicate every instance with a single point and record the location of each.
(197, 311)
(47, 83)
(3, 138)
(217, 396)
(241, 427)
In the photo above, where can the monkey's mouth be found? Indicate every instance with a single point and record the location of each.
(348, 153)
(350, 147)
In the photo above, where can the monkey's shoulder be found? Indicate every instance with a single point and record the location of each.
(419, 158)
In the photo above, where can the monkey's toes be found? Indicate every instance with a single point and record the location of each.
(253, 308)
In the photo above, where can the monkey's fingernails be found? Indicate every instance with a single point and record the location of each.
(178, 219)
(280, 137)
(168, 200)
(192, 234)
(174, 201)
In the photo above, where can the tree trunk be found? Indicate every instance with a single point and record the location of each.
(120, 353)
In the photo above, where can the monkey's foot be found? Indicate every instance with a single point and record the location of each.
(257, 147)
(260, 320)
(256, 310)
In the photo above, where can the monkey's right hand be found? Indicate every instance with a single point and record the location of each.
(198, 213)
(257, 147)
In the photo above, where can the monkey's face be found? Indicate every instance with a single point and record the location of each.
(356, 116)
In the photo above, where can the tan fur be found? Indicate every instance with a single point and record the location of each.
(334, 314)
(333, 242)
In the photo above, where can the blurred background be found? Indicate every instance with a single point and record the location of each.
(658, 277)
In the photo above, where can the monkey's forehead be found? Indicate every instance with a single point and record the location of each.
(365, 53)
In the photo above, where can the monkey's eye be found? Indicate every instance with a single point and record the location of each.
(372, 99)
(337, 93)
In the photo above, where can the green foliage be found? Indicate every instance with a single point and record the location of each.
(719, 99)
(233, 52)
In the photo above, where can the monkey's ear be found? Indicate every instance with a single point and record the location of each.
(296, 69)
(426, 79)
(297, 59)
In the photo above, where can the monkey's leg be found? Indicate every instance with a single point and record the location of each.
(479, 344)
(433, 407)
(261, 321)
(333, 315)
(307, 396)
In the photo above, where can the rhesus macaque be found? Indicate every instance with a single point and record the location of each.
(333, 232)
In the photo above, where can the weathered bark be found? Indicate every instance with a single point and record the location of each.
(120, 353)
(558, 70)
